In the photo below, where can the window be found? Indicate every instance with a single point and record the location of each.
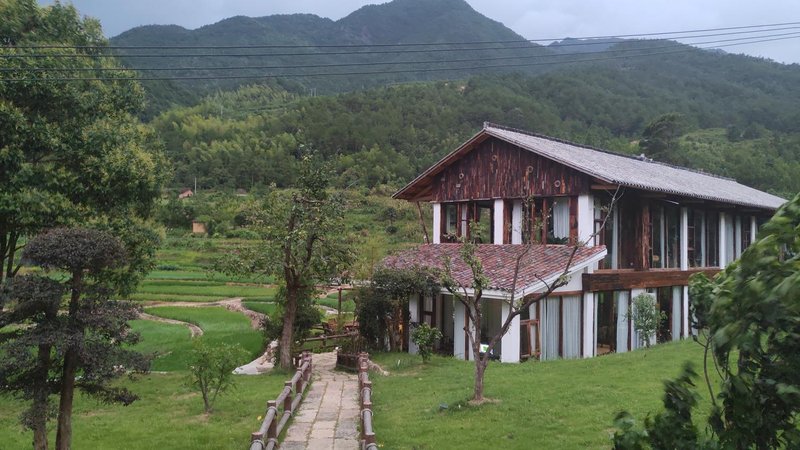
(697, 238)
(546, 220)
(712, 239)
(672, 241)
(656, 237)
(605, 217)
(450, 223)
(746, 229)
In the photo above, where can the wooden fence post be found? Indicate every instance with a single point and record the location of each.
(272, 430)
(287, 402)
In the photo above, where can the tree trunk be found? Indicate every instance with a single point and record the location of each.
(64, 433)
(40, 402)
(287, 336)
(480, 370)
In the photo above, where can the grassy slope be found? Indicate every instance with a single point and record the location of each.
(559, 404)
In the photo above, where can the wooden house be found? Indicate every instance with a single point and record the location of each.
(646, 227)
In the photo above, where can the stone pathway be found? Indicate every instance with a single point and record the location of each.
(328, 417)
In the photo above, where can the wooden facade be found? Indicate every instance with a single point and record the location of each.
(622, 279)
(496, 169)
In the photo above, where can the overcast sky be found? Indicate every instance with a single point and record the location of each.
(532, 19)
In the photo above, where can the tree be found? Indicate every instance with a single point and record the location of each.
(660, 137)
(750, 312)
(28, 367)
(72, 151)
(211, 369)
(302, 243)
(306, 317)
(645, 317)
(473, 301)
(94, 337)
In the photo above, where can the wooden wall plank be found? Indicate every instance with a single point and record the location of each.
(618, 280)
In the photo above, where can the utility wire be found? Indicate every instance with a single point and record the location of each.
(374, 63)
(414, 44)
(337, 53)
(384, 72)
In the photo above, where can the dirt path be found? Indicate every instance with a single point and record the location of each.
(195, 330)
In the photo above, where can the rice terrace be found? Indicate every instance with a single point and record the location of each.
(406, 224)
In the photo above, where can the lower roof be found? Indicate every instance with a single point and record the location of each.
(538, 263)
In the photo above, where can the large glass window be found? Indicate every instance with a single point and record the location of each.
(672, 241)
(712, 239)
(450, 223)
(697, 238)
(546, 220)
(656, 237)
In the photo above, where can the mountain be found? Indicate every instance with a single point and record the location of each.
(397, 22)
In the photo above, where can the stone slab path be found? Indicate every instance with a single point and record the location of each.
(328, 417)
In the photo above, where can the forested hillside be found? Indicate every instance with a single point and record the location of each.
(330, 44)
(738, 118)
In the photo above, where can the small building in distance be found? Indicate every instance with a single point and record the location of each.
(185, 193)
(199, 227)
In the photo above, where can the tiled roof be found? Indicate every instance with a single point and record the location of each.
(541, 262)
(638, 173)
(622, 170)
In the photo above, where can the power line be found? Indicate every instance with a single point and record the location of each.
(379, 63)
(384, 72)
(339, 53)
(412, 44)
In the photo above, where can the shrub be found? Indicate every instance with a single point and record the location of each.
(425, 337)
(645, 317)
(211, 369)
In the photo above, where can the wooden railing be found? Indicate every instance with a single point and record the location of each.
(334, 339)
(266, 438)
(365, 396)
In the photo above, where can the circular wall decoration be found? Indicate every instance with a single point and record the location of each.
(461, 176)
(557, 183)
(529, 169)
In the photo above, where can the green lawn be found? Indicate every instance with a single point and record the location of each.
(567, 404)
(168, 415)
(172, 342)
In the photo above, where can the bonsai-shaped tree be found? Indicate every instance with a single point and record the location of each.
(28, 369)
(95, 333)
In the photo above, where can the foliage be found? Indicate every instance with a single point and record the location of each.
(754, 326)
(425, 337)
(645, 317)
(211, 369)
(28, 369)
(660, 136)
(92, 342)
(71, 152)
(381, 306)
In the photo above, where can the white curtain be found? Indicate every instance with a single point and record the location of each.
(561, 218)
(677, 305)
(571, 329)
(730, 245)
(621, 299)
(550, 328)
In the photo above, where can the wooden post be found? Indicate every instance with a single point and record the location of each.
(272, 430)
(339, 312)
(287, 402)
(422, 222)
(256, 436)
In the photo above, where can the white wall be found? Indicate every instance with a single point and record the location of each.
(589, 335)
(684, 238)
(723, 257)
(413, 317)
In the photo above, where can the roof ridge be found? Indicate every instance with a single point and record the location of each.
(602, 150)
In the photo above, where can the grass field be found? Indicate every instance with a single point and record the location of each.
(262, 307)
(172, 342)
(168, 415)
(567, 404)
(199, 291)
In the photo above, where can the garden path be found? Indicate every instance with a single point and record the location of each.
(328, 416)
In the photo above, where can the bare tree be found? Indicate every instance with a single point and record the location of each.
(473, 301)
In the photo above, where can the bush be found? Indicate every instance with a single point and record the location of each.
(425, 337)
(211, 369)
(645, 317)
(241, 233)
(168, 267)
